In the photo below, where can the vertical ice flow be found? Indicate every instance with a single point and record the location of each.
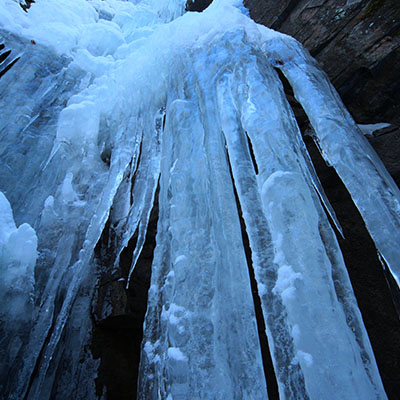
(83, 149)
(344, 147)
(252, 103)
(200, 337)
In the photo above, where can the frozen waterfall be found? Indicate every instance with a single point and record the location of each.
(110, 109)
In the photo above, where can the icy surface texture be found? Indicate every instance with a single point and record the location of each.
(17, 261)
(200, 338)
(106, 100)
(371, 187)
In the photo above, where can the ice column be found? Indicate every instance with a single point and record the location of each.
(200, 334)
(313, 323)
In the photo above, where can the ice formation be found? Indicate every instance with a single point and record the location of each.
(17, 261)
(108, 106)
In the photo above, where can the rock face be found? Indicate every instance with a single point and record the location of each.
(197, 5)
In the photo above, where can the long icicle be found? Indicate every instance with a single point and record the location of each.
(344, 147)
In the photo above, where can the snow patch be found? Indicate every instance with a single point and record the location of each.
(285, 284)
(180, 258)
(305, 358)
(295, 333)
(176, 354)
(17, 245)
(262, 289)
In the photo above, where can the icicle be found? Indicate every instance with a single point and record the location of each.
(200, 298)
(85, 144)
(290, 206)
(145, 186)
(372, 188)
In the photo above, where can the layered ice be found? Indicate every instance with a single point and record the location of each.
(114, 106)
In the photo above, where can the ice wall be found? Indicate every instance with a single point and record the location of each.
(17, 260)
(104, 101)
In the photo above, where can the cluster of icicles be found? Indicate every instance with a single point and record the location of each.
(195, 107)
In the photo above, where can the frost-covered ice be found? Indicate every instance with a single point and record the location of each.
(113, 104)
(17, 261)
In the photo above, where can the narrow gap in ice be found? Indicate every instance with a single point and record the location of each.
(133, 179)
(36, 370)
(269, 372)
(142, 232)
(253, 158)
(160, 121)
(103, 248)
(392, 284)
(147, 252)
(4, 55)
(9, 66)
(126, 257)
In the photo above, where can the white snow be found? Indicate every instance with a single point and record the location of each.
(17, 245)
(180, 258)
(296, 333)
(176, 354)
(305, 357)
(285, 284)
